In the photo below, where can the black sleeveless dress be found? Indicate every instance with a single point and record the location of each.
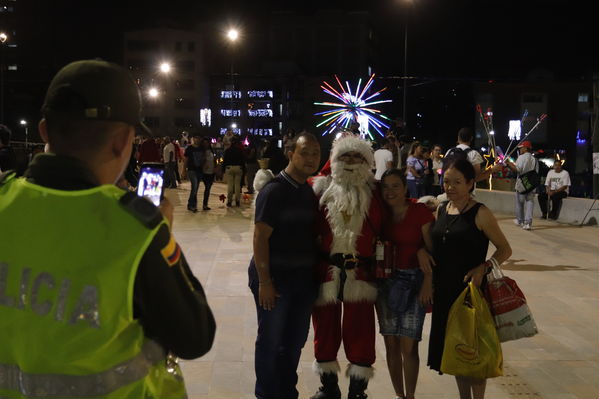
(463, 248)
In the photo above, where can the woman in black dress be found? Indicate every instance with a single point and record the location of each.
(459, 240)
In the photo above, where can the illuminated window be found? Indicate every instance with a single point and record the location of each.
(230, 112)
(229, 93)
(260, 113)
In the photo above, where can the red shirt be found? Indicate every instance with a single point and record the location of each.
(407, 235)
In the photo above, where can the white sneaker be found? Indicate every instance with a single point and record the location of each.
(517, 223)
(526, 226)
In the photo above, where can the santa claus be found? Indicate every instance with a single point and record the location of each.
(344, 311)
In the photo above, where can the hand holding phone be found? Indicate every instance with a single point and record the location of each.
(151, 182)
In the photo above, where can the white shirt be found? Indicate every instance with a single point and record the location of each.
(381, 158)
(557, 180)
(168, 149)
(473, 156)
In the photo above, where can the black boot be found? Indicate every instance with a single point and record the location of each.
(357, 386)
(329, 388)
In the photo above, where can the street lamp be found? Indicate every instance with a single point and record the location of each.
(165, 67)
(232, 36)
(23, 123)
(3, 39)
(153, 92)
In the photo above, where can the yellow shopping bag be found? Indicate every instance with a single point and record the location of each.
(472, 347)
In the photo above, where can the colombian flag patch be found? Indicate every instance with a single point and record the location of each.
(171, 252)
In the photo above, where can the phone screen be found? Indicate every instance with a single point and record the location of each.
(151, 183)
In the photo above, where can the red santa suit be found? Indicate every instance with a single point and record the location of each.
(352, 216)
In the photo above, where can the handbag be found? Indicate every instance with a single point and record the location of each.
(530, 180)
(471, 347)
(511, 313)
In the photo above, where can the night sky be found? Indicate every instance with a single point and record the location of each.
(448, 38)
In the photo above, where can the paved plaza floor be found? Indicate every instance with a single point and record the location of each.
(555, 265)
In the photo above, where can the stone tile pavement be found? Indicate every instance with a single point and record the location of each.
(556, 266)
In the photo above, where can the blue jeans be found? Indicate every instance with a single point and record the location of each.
(194, 179)
(524, 206)
(282, 333)
(416, 188)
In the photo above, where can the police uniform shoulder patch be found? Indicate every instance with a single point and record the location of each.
(171, 252)
(142, 209)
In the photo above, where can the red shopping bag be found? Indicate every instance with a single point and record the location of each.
(507, 303)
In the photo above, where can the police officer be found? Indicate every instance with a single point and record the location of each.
(94, 289)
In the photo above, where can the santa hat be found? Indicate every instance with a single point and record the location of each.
(352, 143)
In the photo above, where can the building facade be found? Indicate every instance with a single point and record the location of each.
(168, 66)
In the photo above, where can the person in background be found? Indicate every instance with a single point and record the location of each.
(195, 158)
(207, 171)
(525, 163)
(557, 185)
(383, 159)
(401, 326)
(251, 165)
(416, 171)
(437, 165)
(281, 272)
(227, 139)
(276, 157)
(178, 159)
(457, 244)
(170, 163)
(149, 151)
(233, 164)
(403, 142)
(8, 160)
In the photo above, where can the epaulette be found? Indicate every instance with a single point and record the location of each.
(5, 177)
(142, 209)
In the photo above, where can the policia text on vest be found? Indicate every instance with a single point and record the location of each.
(46, 295)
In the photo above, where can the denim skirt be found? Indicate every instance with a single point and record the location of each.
(398, 310)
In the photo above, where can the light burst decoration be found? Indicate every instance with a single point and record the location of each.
(353, 107)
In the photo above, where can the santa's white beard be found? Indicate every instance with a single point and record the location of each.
(350, 189)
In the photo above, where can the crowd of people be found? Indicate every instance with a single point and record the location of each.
(341, 249)
(332, 226)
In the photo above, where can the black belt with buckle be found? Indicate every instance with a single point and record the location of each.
(346, 262)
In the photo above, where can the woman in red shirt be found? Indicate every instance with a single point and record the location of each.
(405, 294)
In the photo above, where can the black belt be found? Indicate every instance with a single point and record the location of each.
(349, 261)
(346, 262)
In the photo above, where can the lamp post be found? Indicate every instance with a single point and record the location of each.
(232, 36)
(3, 39)
(407, 3)
(23, 123)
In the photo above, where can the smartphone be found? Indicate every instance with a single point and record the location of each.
(151, 182)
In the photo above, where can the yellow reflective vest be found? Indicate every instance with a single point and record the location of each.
(68, 261)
